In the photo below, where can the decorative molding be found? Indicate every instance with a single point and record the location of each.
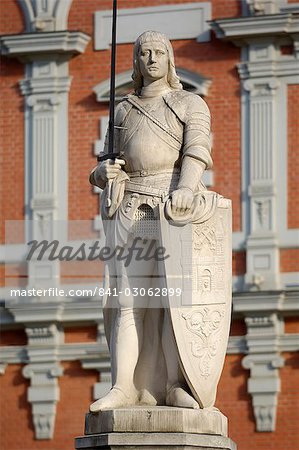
(17, 252)
(236, 344)
(263, 313)
(52, 309)
(13, 354)
(30, 46)
(87, 309)
(264, 361)
(102, 89)
(89, 353)
(199, 84)
(43, 370)
(44, 16)
(284, 67)
(260, 88)
(242, 30)
(181, 21)
(265, 7)
(284, 302)
(290, 7)
(96, 356)
(258, 7)
(40, 86)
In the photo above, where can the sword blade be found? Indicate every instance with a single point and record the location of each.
(112, 80)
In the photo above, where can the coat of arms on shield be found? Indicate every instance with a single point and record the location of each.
(199, 267)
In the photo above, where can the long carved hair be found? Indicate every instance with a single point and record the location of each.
(154, 36)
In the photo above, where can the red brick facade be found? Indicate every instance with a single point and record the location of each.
(293, 156)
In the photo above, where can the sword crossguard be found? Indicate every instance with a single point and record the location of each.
(108, 156)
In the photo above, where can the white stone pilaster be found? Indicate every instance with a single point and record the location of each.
(46, 89)
(263, 269)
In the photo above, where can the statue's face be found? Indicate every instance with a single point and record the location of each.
(153, 61)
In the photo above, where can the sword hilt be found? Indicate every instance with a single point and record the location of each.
(113, 156)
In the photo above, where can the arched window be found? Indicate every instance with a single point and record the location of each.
(191, 81)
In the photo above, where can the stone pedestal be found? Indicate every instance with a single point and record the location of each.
(156, 428)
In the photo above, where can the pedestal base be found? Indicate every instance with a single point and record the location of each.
(150, 428)
(158, 419)
(154, 441)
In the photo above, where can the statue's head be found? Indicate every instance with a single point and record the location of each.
(154, 36)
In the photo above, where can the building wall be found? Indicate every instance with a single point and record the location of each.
(293, 166)
(234, 401)
(76, 394)
(216, 60)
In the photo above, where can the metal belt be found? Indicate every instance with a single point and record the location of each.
(146, 173)
(146, 190)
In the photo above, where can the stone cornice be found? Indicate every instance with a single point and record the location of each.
(285, 343)
(287, 67)
(96, 355)
(241, 29)
(44, 85)
(84, 310)
(29, 46)
(286, 302)
(89, 310)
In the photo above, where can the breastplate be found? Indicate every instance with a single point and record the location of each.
(145, 144)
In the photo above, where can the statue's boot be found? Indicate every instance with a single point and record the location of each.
(147, 399)
(125, 349)
(178, 396)
(116, 398)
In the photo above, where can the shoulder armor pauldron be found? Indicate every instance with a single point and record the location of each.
(184, 104)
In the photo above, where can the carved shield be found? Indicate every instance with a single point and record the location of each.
(198, 278)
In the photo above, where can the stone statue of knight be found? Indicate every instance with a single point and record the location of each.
(167, 326)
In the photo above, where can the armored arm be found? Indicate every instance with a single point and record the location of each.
(197, 149)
